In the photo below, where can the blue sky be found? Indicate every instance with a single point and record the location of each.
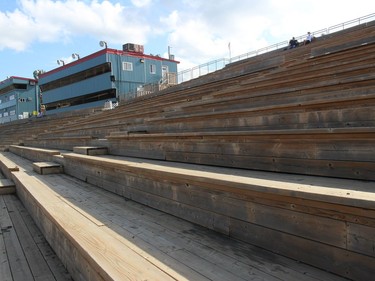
(34, 34)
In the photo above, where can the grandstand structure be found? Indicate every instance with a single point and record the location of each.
(263, 170)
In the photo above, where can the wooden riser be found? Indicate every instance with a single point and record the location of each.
(47, 168)
(7, 187)
(90, 150)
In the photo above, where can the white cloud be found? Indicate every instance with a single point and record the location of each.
(53, 21)
(16, 31)
(141, 3)
(198, 31)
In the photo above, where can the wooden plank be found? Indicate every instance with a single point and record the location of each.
(5, 272)
(339, 191)
(361, 239)
(217, 202)
(350, 265)
(34, 153)
(17, 261)
(55, 265)
(38, 266)
(108, 255)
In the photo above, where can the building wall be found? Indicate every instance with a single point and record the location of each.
(101, 76)
(18, 99)
(145, 70)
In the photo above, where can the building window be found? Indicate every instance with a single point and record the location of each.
(12, 112)
(152, 68)
(11, 97)
(127, 66)
(77, 77)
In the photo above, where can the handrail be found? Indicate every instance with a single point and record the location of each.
(212, 66)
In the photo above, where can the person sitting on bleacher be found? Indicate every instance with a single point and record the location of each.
(293, 43)
(308, 39)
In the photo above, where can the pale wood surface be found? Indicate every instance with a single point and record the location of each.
(130, 240)
(24, 253)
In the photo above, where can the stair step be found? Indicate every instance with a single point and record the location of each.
(7, 187)
(45, 168)
(90, 150)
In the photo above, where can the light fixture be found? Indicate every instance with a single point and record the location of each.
(142, 60)
(103, 44)
(60, 62)
(37, 72)
(75, 56)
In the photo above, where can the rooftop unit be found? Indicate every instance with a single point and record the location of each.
(130, 47)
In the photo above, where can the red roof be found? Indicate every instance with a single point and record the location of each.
(102, 52)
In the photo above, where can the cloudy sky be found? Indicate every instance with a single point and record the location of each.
(34, 34)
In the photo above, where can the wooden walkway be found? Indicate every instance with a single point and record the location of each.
(24, 253)
(155, 240)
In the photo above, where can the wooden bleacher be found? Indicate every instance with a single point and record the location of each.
(276, 151)
(16, 132)
(100, 236)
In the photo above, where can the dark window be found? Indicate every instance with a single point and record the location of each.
(13, 87)
(74, 78)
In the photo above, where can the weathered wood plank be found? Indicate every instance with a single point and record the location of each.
(55, 265)
(351, 264)
(361, 239)
(38, 266)
(17, 261)
(5, 272)
(340, 191)
(105, 257)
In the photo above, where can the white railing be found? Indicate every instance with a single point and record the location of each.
(215, 65)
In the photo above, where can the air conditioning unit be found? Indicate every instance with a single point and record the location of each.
(130, 47)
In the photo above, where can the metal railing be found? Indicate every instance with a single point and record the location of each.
(218, 64)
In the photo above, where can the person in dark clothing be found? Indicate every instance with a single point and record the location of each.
(293, 43)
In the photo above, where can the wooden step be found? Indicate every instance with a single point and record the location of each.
(46, 168)
(7, 186)
(34, 153)
(90, 150)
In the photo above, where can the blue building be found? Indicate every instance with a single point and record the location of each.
(18, 98)
(108, 74)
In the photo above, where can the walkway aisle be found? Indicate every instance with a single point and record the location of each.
(24, 253)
